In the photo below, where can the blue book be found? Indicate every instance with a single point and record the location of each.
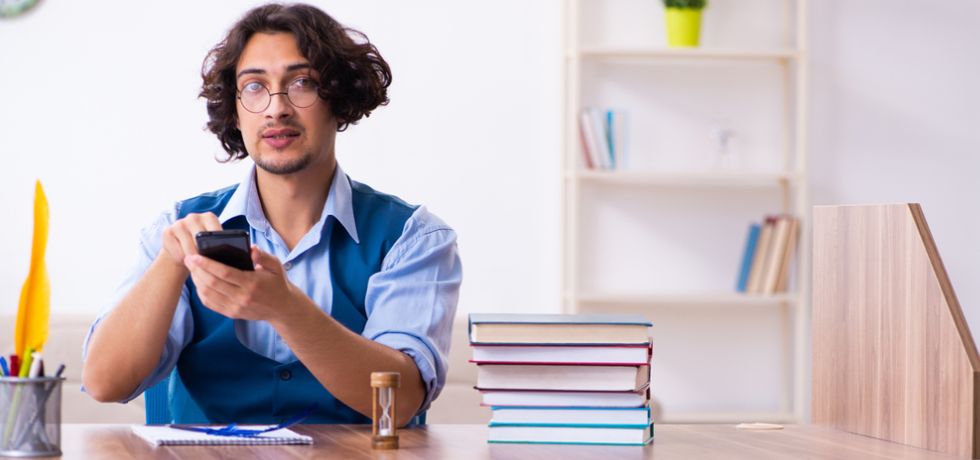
(619, 435)
(610, 139)
(750, 243)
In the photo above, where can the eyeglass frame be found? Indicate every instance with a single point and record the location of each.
(316, 88)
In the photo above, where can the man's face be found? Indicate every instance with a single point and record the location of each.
(282, 139)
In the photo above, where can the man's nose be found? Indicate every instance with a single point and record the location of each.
(279, 106)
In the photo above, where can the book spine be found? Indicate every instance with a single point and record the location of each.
(599, 129)
(610, 140)
(588, 141)
(774, 256)
(750, 243)
(758, 259)
(784, 269)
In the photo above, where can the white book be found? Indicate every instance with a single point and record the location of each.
(163, 435)
(597, 119)
(619, 132)
(591, 139)
(570, 435)
(564, 398)
(561, 354)
(571, 416)
(562, 377)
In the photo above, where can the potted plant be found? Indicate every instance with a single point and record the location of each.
(683, 21)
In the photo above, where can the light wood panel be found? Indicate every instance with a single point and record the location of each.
(893, 357)
(433, 442)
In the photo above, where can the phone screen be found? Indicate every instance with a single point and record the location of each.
(230, 247)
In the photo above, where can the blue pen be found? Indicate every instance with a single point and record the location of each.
(3, 366)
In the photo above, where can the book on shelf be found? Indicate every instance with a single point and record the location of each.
(756, 275)
(552, 398)
(597, 121)
(782, 281)
(772, 258)
(584, 434)
(590, 141)
(517, 329)
(562, 354)
(557, 416)
(562, 377)
(750, 243)
(617, 124)
(604, 135)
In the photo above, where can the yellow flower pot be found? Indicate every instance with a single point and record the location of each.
(683, 26)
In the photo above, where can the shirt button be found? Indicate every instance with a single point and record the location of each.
(287, 265)
(285, 374)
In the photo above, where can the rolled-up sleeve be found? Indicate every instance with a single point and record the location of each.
(411, 302)
(181, 328)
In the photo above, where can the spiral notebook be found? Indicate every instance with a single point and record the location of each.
(161, 435)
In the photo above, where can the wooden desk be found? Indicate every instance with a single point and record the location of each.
(469, 442)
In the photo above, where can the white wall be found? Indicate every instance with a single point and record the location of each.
(895, 117)
(99, 101)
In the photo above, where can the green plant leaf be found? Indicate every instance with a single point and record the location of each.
(689, 4)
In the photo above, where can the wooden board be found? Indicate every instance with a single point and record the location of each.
(893, 357)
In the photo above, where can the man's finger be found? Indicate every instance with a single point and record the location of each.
(265, 261)
(211, 222)
(213, 274)
(185, 236)
(217, 301)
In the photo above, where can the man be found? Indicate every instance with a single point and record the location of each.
(347, 280)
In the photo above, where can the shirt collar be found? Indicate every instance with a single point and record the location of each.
(245, 202)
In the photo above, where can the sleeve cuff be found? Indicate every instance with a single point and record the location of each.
(424, 359)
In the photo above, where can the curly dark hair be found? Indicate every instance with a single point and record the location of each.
(354, 77)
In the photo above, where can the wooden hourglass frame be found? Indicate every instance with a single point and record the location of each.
(384, 433)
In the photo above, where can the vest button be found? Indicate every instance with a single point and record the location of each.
(285, 374)
(287, 265)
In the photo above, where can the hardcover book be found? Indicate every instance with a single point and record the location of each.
(562, 377)
(558, 329)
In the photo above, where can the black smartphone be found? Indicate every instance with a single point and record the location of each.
(230, 247)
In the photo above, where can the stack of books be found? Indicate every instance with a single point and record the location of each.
(564, 379)
(604, 138)
(768, 255)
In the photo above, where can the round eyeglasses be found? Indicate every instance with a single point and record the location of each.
(301, 93)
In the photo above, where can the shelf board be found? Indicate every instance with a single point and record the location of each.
(728, 417)
(733, 299)
(692, 179)
(684, 53)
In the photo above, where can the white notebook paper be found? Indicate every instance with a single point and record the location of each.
(161, 435)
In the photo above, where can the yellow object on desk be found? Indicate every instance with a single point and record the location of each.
(35, 297)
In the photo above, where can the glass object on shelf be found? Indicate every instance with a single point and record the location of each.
(724, 149)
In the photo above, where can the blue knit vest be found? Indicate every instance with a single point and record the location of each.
(229, 382)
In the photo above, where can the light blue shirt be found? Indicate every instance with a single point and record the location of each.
(410, 303)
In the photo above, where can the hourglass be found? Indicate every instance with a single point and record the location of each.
(383, 430)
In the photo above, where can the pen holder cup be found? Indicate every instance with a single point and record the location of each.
(30, 416)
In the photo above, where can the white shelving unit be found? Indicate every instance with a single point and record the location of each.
(588, 195)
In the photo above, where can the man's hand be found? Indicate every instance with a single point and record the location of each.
(237, 294)
(178, 239)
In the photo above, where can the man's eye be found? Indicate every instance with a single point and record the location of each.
(302, 82)
(253, 88)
